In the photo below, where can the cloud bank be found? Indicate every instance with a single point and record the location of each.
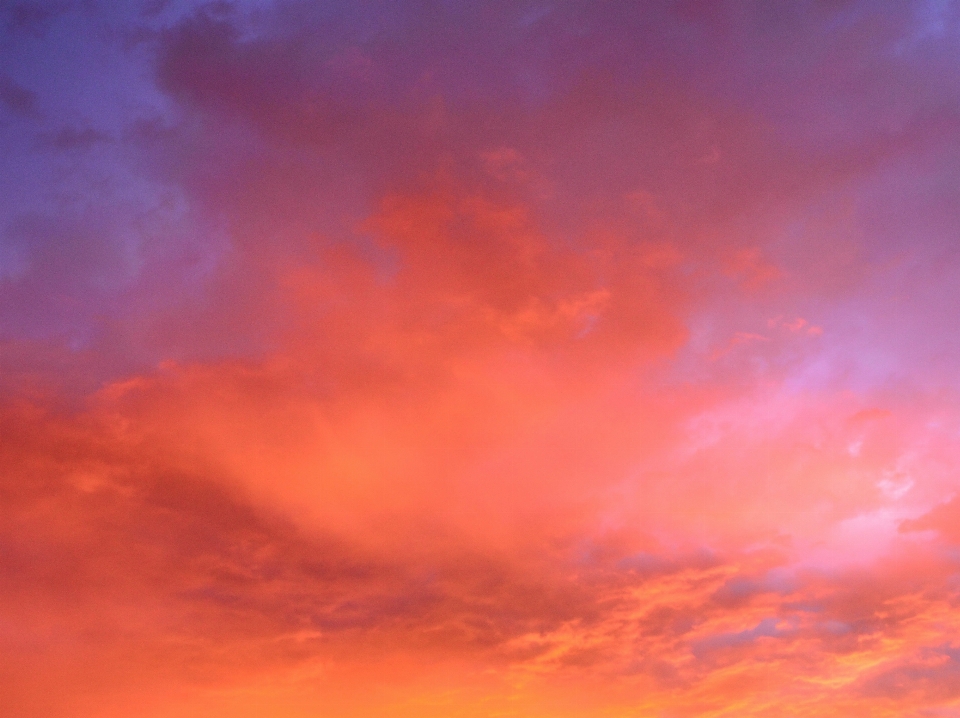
(538, 359)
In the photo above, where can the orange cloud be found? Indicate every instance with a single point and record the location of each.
(472, 361)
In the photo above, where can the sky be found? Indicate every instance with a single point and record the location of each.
(436, 359)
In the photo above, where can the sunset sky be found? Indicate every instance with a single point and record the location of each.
(447, 359)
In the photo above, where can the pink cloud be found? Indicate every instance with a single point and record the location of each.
(460, 360)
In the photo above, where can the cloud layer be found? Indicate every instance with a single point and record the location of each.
(432, 359)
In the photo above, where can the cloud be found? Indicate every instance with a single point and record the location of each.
(16, 98)
(941, 518)
(451, 360)
(931, 677)
(134, 554)
(71, 138)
